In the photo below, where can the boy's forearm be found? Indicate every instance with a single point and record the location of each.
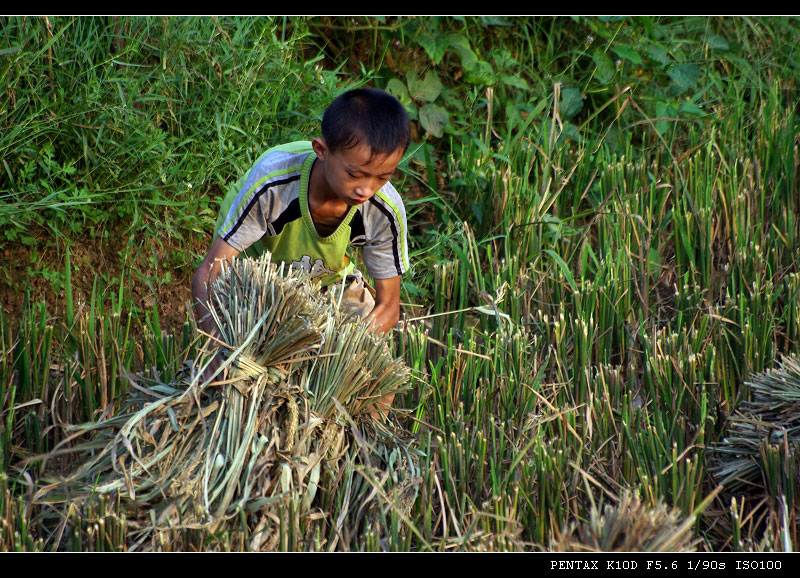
(386, 312)
(205, 275)
(200, 283)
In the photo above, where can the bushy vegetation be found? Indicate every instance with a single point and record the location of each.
(604, 230)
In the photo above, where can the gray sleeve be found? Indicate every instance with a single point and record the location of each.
(386, 249)
(247, 224)
(257, 202)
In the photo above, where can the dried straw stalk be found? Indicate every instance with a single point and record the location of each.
(283, 425)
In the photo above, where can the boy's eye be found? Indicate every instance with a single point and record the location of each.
(382, 179)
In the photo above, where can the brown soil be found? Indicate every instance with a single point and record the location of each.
(156, 271)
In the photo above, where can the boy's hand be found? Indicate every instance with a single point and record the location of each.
(382, 407)
(209, 269)
(215, 362)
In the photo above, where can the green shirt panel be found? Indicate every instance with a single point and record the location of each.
(299, 244)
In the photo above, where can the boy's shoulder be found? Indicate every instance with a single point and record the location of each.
(278, 166)
(387, 198)
(287, 155)
(271, 176)
(296, 147)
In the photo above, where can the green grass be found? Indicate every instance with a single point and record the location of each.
(604, 240)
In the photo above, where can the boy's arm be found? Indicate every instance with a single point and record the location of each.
(387, 304)
(386, 313)
(209, 269)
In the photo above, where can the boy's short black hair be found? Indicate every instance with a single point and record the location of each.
(369, 116)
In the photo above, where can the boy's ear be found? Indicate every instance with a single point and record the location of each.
(320, 148)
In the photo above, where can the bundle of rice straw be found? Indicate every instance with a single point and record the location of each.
(629, 526)
(279, 444)
(763, 436)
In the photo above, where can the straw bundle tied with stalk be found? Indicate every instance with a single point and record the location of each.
(629, 526)
(760, 447)
(278, 446)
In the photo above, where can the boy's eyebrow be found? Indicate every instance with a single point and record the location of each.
(358, 169)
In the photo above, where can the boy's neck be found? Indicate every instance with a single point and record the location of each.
(327, 210)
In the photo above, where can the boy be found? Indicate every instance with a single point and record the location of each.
(307, 202)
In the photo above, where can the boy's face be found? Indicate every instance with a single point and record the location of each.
(352, 175)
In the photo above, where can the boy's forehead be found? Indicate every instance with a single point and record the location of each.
(362, 155)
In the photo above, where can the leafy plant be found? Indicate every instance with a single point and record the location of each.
(419, 96)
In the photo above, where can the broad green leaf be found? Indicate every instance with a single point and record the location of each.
(571, 103)
(692, 109)
(628, 53)
(657, 52)
(604, 65)
(503, 59)
(572, 132)
(512, 114)
(435, 45)
(427, 89)
(461, 46)
(433, 119)
(411, 288)
(664, 110)
(515, 81)
(599, 28)
(497, 20)
(478, 212)
(397, 89)
(647, 23)
(684, 75)
(481, 72)
(717, 42)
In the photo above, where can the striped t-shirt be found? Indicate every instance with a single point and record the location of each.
(267, 209)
